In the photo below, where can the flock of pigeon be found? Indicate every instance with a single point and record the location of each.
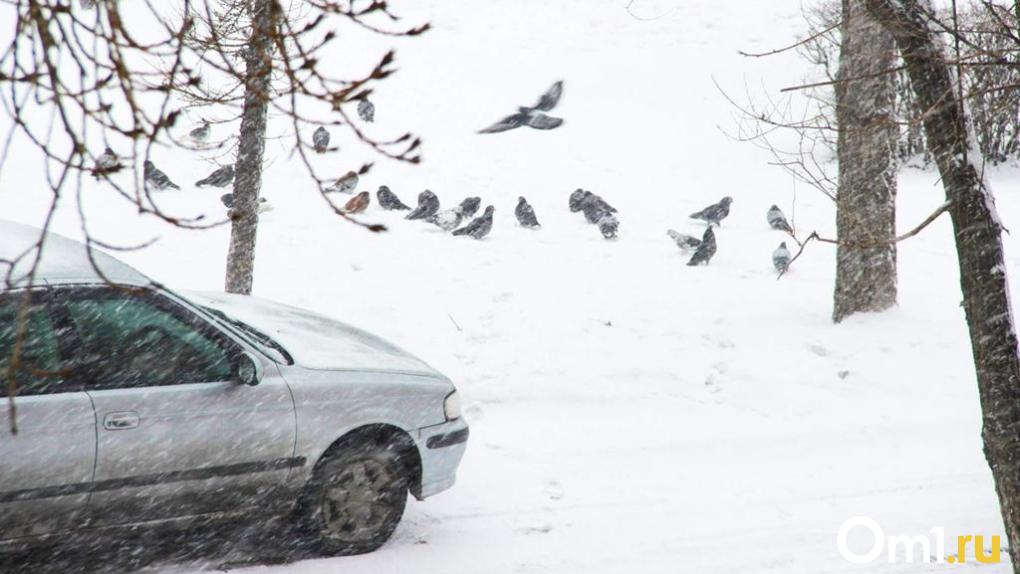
(596, 210)
(156, 180)
(713, 215)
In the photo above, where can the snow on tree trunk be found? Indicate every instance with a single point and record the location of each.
(251, 146)
(866, 147)
(978, 246)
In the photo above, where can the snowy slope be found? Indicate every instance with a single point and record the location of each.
(629, 413)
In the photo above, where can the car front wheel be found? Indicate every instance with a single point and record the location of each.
(356, 500)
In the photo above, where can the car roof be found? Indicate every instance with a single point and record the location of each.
(63, 260)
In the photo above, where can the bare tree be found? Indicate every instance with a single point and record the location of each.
(978, 234)
(80, 76)
(251, 146)
(866, 146)
(280, 47)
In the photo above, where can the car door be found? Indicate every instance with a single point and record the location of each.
(46, 466)
(176, 436)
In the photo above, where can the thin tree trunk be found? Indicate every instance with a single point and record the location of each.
(978, 246)
(251, 146)
(866, 146)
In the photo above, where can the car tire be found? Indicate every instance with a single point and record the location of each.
(355, 500)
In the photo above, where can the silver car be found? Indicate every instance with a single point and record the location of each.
(136, 404)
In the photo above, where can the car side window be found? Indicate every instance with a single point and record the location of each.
(39, 365)
(140, 339)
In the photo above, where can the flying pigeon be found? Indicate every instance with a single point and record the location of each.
(608, 224)
(345, 184)
(479, 226)
(777, 220)
(219, 178)
(156, 179)
(228, 202)
(428, 205)
(469, 206)
(320, 139)
(706, 250)
(201, 133)
(366, 110)
(781, 258)
(389, 200)
(447, 220)
(714, 213)
(683, 241)
(532, 116)
(358, 203)
(526, 214)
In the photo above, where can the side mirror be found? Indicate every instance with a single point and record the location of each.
(247, 370)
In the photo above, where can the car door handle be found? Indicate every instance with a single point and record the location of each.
(121, 421)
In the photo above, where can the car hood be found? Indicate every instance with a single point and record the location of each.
(316, 342)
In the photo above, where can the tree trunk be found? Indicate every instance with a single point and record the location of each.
(251, 146)
(866, 146)
(978, 247)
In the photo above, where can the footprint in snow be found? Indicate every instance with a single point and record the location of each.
(474, 412)
(503, 297)
(554, 490)
(540, 529)
(819, 350)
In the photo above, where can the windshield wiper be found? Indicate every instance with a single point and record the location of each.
(259, 337)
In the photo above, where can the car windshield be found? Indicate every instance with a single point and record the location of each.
(253, 335)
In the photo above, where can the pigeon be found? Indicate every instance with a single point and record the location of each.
(608, 224)
(469, 206)
(156, 179)
(428, 205)
(592, 205)
(366, 110)
(107, 161)
(781, 258)
(228, 202)
(389, 200)
(345, 184)
(447, 220)
(358, 203)
(222, 177)
(577, 199)
(320, 139)
(715, 213)
(526, 214)
(532, 116)
(777, 220)
(683, 241)
(706, 250)
(479, 226)
(595, 207)
(201, 133)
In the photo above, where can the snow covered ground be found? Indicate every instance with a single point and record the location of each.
(629, 413)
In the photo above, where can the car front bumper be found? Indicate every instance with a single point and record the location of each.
(441, 447)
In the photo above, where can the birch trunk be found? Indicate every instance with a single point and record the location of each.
(251, 147)
(978, 247)
(866, 147)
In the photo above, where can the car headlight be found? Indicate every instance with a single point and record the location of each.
(451, 406)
